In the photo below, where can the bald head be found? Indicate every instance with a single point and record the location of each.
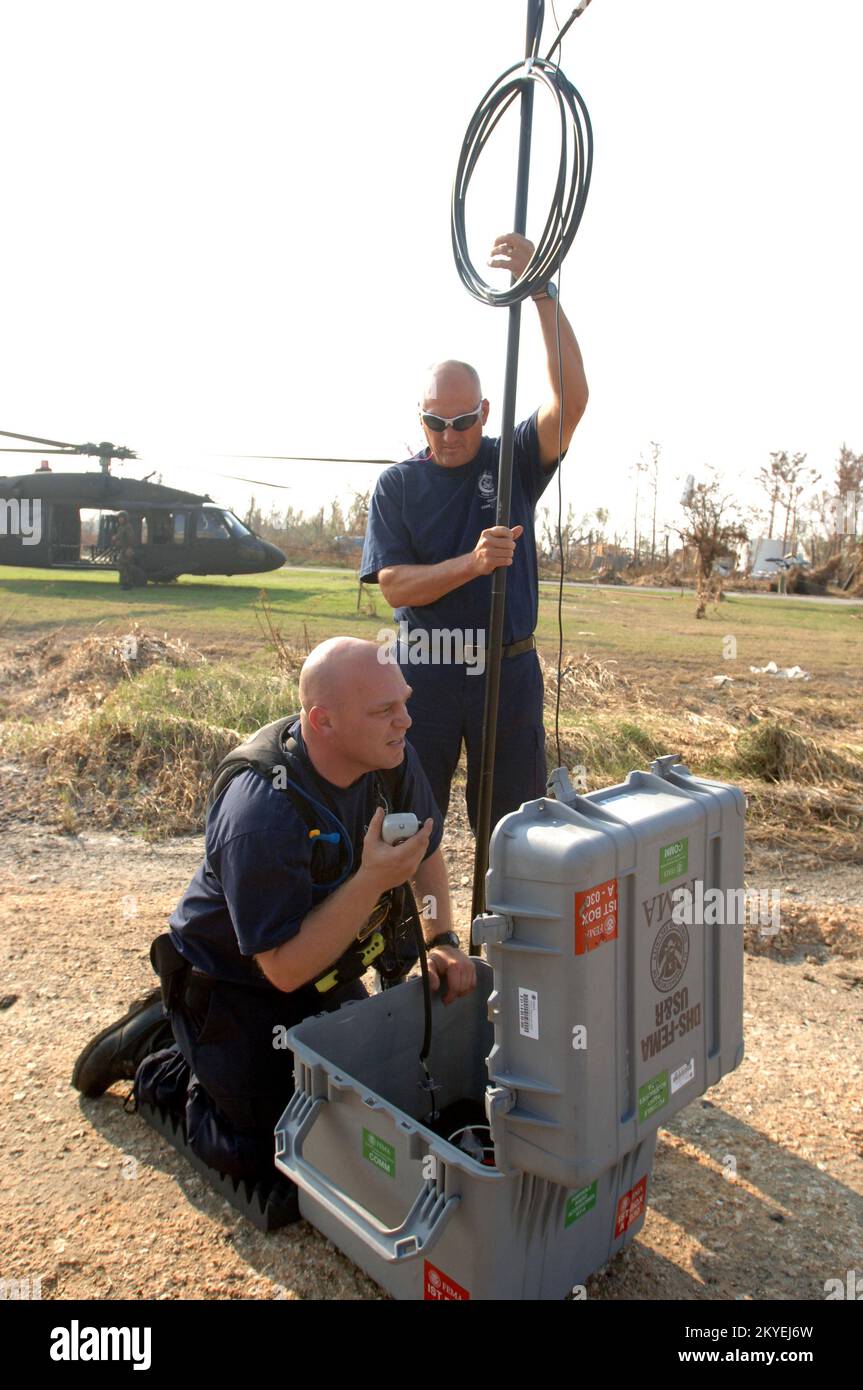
(445, 379)
(355, 717)
(452, 390)
(336, 669)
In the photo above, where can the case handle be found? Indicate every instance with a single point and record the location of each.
(420, 1229)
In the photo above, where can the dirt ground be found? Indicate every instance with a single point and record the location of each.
(757, 1186)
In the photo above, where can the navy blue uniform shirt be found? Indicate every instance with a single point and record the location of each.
(254, 887)
(422, 513)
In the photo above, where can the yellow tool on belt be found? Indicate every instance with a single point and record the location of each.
(360, 962)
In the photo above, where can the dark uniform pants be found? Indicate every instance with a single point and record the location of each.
(229, 1073)
(447, 708)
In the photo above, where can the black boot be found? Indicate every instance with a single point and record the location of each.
(116, 1052)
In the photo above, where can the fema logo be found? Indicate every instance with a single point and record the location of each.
(669, 956)
(440, 1287)
(486, 487)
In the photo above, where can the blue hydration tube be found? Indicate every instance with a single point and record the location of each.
(331, 838)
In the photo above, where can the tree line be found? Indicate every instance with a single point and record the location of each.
(820, 522)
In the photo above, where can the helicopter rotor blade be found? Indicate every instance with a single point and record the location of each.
(34, 439)
(258, 482)
(309, 458)
(64, 453)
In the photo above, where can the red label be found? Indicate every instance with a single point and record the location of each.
(439, 1285)
(595, 916)
(630, 1207)
(637, 1196)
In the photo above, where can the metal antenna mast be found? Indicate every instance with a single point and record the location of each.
(504, 495)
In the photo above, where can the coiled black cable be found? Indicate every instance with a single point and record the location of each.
(571, 185)
(565, 213)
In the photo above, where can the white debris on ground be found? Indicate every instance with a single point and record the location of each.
(788, 673)
(719, 681)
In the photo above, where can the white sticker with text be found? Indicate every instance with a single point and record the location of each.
(682, 1074)
(528, 1013)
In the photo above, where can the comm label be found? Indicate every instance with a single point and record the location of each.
(578, 1203)
(596, 913)
(380, 1153)
(674, 860)
(652, 1095)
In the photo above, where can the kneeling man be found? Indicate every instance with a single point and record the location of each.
(298, 893)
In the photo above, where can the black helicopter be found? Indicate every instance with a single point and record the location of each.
(175, 532)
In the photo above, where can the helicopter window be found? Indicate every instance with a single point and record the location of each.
(237, 526)
(210, 526)
(160, 530)
(163, 528)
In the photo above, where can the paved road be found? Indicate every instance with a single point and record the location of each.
(629, 588)
(729, 593)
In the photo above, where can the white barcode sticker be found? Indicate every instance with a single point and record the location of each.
(682, 1075)
(528, 1013)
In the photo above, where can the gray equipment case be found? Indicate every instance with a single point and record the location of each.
(610, 1013)
(599, 1015)
(418, 1214)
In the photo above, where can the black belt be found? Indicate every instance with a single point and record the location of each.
(198, 988)
(180, 981)
(527, 644)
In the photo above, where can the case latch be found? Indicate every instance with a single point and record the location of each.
(491, 929)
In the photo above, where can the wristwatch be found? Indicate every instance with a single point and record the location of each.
(444, 938)
(550, 292)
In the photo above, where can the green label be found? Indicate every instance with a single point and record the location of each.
(577, 1203)
(673, 860)
(378, 1152)
(653, 1095)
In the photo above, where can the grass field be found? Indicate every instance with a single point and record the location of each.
(135, 744)
(629, 626)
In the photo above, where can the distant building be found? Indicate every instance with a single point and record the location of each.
(768, 556)
(764, 557)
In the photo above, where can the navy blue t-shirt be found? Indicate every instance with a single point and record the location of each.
(254, 887)
(422, 513)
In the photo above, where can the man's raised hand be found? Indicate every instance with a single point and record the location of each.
(511, 252)
(388, 866)
(495, 547)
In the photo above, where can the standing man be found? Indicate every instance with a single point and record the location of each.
(432, 545)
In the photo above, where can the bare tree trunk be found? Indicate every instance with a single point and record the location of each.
(787, 516)
(655, 481)
(701, 595)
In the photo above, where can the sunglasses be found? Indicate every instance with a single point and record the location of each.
(437, 424)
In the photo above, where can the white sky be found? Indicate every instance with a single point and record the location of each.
(225, 228)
